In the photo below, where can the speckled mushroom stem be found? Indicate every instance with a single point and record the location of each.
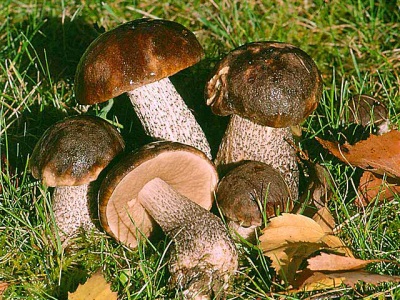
(203, 257)
(164, 115)
(246, 140)
(71, 207)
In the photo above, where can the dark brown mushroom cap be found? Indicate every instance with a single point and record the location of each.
(270, 83)
(74, 151)
(252, 186)
(131, 55)
(185, 168)
(366, 110)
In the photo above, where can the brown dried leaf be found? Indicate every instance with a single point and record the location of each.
(95, 288)
(291, 238)
(311, 281)
(3, 287)
(378, 154)
(333, 262)
(372, 187)
(324, 218)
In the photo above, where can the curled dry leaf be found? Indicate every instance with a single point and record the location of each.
(373, 186)
(324, 218)
(334, 262)
(95, 288)
(291, 238)
(378, 154)
(308, 280)
(3, 287)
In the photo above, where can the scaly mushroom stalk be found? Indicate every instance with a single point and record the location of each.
(203, 257)
(246, 140)
(139, 53)
(271, 84)
(70, 156)
(165, 116)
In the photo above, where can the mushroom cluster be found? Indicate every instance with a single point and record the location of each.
(170, 184)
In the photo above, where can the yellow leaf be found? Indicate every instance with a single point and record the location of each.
(3, 287)
(333, 262)
(95, 288)
(291, 238)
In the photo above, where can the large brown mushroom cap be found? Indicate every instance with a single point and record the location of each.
(249, 188)
(131, 55)
(270, 83)
(184, 168)
(74, 151)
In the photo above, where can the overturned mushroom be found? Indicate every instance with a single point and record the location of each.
(266, 87)
(70, 156)
(185, 168)
(250, 194)
(136, 58)
(203, 257)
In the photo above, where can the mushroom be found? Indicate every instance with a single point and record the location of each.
(185, 168)
(250, 194)
(70, 156)
(136, 58)
(203, 257)
(266, 87)
(367, 111)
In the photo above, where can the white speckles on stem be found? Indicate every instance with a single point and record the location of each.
(246, 140)
(164, 115)
(71, 209)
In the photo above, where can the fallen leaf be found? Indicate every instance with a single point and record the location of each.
(324, 218)
(290, 238)
(3, 287)
(377, 154)
(311, 281)
(372, 187)
(333, 262)
(95, 288)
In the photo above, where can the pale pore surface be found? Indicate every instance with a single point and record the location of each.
(164, 115)
(203, 256)
(189, 174)
(245, 140)
(71, 209)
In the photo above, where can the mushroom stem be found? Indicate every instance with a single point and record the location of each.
(164, 115)
(71, 207)
(203, 257)
(246, 140)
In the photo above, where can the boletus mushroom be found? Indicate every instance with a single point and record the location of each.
(202, 257)
(137, 58)
(185, 168)
(249, 195)
(70, 156)
(266, 87)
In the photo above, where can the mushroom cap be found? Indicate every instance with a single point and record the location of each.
(270, 83)
(74, 151)
(186, 169)
(132, 55)
(247, 188)
(366, 110)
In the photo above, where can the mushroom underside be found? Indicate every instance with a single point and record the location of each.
(187, 173)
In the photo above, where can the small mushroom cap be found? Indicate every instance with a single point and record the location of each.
(252, 186)
(74, 151)
(366, 110)
(132, 55)
(270, 83)
(185, 168)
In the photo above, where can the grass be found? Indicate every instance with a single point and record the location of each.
(356, 45)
